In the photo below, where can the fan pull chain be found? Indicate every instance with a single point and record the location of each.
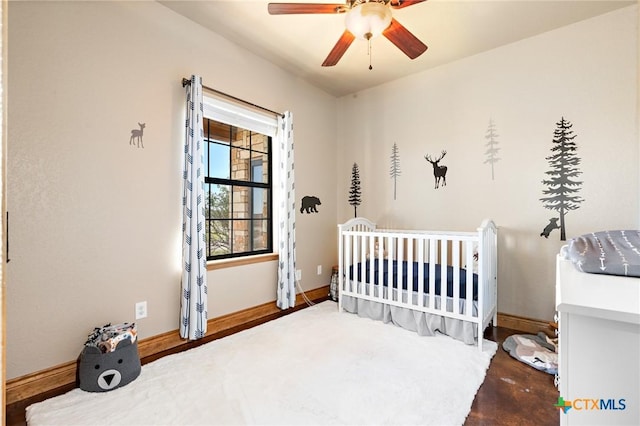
(369, 41)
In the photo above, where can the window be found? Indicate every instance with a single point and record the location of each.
(238, 181)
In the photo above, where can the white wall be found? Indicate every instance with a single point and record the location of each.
(586, 72)
(95, 222)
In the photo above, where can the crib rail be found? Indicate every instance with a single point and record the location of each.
(368, 258)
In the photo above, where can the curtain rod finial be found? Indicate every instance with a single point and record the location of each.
(185, 82)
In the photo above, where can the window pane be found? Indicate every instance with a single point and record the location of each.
(218, 235)
(259, 167)
(219, 161)
(206, 159)
(242, 139)
(241, 200)
(260, 207)
(218, 204)
(241, 240)
(240, 164)
(221, 132)
(208, 201)
(260, 234)
(260, 142)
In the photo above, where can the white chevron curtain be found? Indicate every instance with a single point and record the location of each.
(286, 297)
(193, 301)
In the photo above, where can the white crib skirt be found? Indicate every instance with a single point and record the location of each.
(422, 323)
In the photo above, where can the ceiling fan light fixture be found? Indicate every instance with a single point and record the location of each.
(368, 20)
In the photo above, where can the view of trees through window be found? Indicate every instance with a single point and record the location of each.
(238, 191)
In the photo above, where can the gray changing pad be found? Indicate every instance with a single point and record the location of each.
(607, 252)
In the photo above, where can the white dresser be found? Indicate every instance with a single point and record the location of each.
(599, 346)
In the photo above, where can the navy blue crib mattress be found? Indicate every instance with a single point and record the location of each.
(403, 273)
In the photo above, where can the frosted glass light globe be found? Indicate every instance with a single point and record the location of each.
(368, 20)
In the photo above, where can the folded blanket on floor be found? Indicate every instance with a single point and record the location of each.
(538, 351)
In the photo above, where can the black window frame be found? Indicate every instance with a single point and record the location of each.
(231, 183)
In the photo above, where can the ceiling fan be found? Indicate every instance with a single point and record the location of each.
(364, 19)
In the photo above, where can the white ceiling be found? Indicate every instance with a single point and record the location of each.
(452, 29)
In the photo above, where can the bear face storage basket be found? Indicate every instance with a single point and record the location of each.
(109, 359)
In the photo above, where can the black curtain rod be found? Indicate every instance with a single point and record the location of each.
(186, 81)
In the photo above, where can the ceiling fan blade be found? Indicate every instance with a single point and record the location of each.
(399, 4)
(404, 40)
(338, 50)
(300, 8)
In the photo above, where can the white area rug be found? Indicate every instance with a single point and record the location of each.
(313, 367)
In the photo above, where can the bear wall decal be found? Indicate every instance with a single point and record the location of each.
(309, 204)
(553, 224)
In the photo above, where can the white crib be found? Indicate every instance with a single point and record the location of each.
(391, 275)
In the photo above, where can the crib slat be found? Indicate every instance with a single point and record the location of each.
(444, 272)
(421, 242)
(485, 285)
(399, 269)
(347, 264)
(391, 256)
(456, 276)
(410, 262)
(363, 262)
(380, 266)
(357, 285)
(364, 244)
(469, 296)
(340, 265)
(372, 260)
(432, 272)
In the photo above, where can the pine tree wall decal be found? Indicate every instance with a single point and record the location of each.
(492, 146)
(354, 192)
(394, 172)
(562, 186)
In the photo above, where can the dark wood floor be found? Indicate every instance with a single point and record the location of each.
(513, 393)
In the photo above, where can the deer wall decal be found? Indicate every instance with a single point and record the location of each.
(137, 134)
(439, 172)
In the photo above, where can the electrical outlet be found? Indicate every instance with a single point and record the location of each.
(141, 310)
(298, 274)
(319, 269)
